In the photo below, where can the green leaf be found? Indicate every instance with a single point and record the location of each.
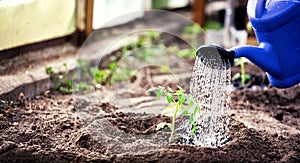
(236, 76)
(186, 112)
(169, 97)
(194, 128)
(187, 53)
(180, 99)
(241, 61)
(190, 103)
(161, 125)
(153, 34)
(246, 76)
(196, 110)
(49, 70)
(160, 92)
(69, 83)
(191, 119)
(170, 126)
(64, 90)
(211, 24)
(194, 29)
(112, 66)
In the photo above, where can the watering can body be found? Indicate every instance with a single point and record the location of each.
(276, 24)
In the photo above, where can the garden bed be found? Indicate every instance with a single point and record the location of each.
(264, 127)
(117, 123)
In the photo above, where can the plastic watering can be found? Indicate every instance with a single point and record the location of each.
(276, 24)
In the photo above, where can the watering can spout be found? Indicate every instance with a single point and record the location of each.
(264, 56)
(276, 26)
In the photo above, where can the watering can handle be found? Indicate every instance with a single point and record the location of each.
(260, 8)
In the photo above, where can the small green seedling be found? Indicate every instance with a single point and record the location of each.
(61, 81)
(141, 50)
(146, 39)
(55, 78)
(94, 76)
(241, 62)
(192, 33)
(212, 25)
(188, 53)
(193, 29)
(181, 103)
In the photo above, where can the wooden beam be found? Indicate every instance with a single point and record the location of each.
(198, 12)
(84, 21)
(89, 17)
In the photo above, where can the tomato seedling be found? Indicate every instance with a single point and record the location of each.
(181, 103)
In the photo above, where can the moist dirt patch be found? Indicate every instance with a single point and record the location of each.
(264, 127)
(264, 123)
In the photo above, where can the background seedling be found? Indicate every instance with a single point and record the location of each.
(192, 33)
(212, 25)
(63, 82)
(142, 51)
(244, 77)
(188, 53)
(119, 67)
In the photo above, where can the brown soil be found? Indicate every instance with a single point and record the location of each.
(51, 127)
(137, 125)
(264, 127)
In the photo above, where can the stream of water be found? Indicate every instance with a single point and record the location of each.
(210, 88)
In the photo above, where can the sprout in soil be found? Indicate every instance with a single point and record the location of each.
(63, 81)
(181, 103)
(244, 77)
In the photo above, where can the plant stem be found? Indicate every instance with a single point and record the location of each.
(243, 72)
(173, 122)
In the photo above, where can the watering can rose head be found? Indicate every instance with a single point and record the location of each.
(215, 57)
(276, 24)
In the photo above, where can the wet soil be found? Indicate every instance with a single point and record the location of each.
(264, 127)
(264, 123)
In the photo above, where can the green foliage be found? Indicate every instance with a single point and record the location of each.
(120, 68)
(244, 77)
(63, 81)
(144, 40)
(181, 103)
(57, 80)
(134, 52)
(193, 29)
(212, 24)
(99, 75)
(249, 27)
(189, 53)
(162, 125)
(192, 33)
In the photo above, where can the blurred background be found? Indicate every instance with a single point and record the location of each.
(57, 35)
(32, 24)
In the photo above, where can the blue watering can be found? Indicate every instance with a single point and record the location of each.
(276, 24)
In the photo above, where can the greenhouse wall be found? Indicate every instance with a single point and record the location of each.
(28, 21)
